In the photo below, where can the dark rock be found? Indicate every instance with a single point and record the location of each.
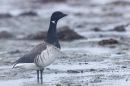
(82, 71)
(66, 34)
(53, 0)
(5, 34)
(48, 69)
(37, 36)
(96, 29)
(120, 28)
(125, 49)
(126, 79)
(58, 85)
(119, 3)
(101, 70)
(92, 70)
(72, 71)
(79, 14)
(74, 85)
(123, 67)
(30, 13)
(80, 26)
(13, 52)
(80, 63)
(56, 72)
(112, 46)
(86, 63)
(5, 15)
(108, 41)
(101, 35)
(114, 14)
(121, 53)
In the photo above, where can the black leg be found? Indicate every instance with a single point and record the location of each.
(41, 71)
(38, 76)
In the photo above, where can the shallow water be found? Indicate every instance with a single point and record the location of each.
(97, 65)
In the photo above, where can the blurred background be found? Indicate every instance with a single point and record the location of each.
(94, 38)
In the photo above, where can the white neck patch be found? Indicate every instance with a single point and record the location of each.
(53, 22)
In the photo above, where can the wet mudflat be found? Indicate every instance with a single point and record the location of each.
(87, 62)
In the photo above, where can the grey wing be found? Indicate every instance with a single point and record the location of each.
(30, 56)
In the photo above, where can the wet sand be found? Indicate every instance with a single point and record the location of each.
(86, 63)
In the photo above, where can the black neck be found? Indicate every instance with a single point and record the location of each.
(52, 37)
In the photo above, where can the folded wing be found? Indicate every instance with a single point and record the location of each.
(31, 55)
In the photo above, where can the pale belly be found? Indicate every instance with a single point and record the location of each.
(27, 66)
(47, 57)
(48, 62)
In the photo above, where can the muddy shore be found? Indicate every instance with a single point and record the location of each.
(86, 62)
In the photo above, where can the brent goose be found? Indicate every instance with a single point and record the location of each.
(44, 53)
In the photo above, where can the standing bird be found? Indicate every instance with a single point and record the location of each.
(44, 53)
